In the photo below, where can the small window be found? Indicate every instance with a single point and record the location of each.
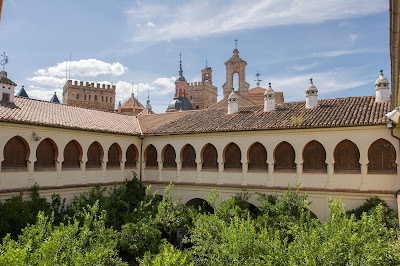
(110, 99)
(106, 99)
(95, 98)
(90, 96)
(77, 96)
(85, 97)
(102, 98)
(6, 97)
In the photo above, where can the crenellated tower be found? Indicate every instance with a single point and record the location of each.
(203, 94)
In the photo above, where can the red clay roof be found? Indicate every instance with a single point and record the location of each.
(132, 101)
(340, 112)
(43, 113)
(257, 90)
(224, 102)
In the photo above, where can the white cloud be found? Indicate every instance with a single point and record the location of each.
(202, 18)
(41, 93)
(49, 81)
(83, 68)
(336, 53)
(304, 67)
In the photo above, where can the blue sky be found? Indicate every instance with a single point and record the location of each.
(341, 44)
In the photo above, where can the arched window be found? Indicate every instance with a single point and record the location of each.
(209, 156)
(46, 154)
(188, 157)
(90, 96)
(169, 157)
(314, 156)
(72, 155)
(84, 97)
(102, 98)
(200, 204)
(106, 99)
(95, 98)
(232, 156)
(382, 157)
(347, 157)
(284, 157)
(95, 155)
(114, 156)
(77, 96)
(258, 157)
(16, 153)
(151, 156)
(131, 155)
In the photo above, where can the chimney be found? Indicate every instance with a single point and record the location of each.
(233, 104)
(382, 90)
(269, 99)
(311, 95)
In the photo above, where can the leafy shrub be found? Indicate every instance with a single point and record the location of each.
(168, 255)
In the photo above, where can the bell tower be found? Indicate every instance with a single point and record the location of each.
(236, 65)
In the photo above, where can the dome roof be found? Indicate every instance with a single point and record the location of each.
(181, 78)
(311, 87)
(233, 95)
(179, 103)
(269, 91)
(381, 79)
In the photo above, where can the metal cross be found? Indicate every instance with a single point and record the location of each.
(236, 41)
(5, 60)
(180, 57)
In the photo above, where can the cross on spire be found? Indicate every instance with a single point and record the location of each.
(4, 60)
(236, 42)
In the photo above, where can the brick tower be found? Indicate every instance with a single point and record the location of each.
(203, 94)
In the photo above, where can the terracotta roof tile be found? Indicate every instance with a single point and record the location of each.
(257, 90)
(132, 101)
(224, 102)
(36, 112)
(340, 112)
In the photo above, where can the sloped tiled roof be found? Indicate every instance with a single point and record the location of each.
(5, 80)
(131, 102)
(43, 113)
(340, 112)
(22, 93)
(224, 103)
(54, 99)
(257, 90)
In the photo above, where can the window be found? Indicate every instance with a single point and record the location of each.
(169, 157)
(314, 156)
(84, 97)
(114, 156)
(90, 96)
(110, 99)
(233, 157)
(72, 155)
(77, 96)
(16, 153)
(347, 157)
(131, 154)
(258, 157)
(151, 156)
(95, 98)
(102, 98)
(188, 157)
(95, 155)
(5, 97)
(106, 99)
(382, 157)
(284, 157)
(210, 155)
(46, 154)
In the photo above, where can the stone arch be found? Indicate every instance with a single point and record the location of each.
(200, 204)
(168, 156)
(114, 156)
(16, 153)
(131, 156)
(232, 156)
(46, 154)
(347, 156)
(209, 157)
(72, 155)
(314, 157)
(95, 155)
(150, 155)
(382, 157)
(284, 157)
(257, 157)
(188, 157)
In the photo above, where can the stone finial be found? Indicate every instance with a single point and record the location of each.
(269, 99)
(233, 103)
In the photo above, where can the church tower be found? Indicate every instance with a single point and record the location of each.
(203, 94)
(236, 65)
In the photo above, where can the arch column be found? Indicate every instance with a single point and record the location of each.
(160, 165)
(364, 170)
(31, 166)
(59, 181)
(270, 176)
(330, 169)
(122, 167)
(299, 167)
(220, 167)
(198, 170)
(245, 168)
(178, 169)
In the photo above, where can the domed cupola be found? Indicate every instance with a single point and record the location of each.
(269, 99)
(180, 101)
(311, 95)
(382, 90)
(233, 102)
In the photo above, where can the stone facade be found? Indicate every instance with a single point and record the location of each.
(89, 95)
(203, 94)
(236, 65)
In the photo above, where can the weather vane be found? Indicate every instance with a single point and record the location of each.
(4, 60)
(258, 79)
(236, 41)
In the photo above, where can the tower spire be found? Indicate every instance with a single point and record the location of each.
(180, 65)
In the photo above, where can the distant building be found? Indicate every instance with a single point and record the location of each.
(203, 94)
(89, 95)
(130, 107)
